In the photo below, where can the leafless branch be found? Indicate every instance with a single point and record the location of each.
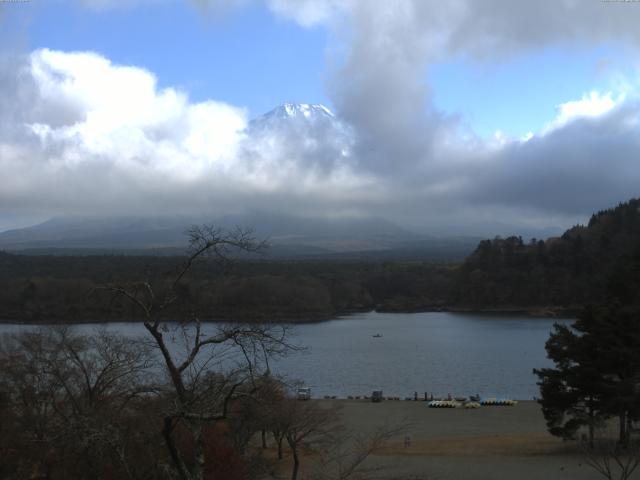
(611, 460)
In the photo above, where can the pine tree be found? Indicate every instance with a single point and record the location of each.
(596, 374)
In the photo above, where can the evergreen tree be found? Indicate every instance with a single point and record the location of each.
(571, 392)
(596, 374)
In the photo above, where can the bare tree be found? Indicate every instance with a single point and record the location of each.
(273, 415)
(70, 397)
(307, 424)
(345, 457)
(201, 398)
(266, 411)
(612, 460)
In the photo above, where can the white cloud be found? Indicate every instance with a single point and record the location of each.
(526, 137)
(120, 113)
(591, 105)
(499, 139)
(86, 134)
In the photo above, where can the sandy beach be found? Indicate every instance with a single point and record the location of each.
(476, 444)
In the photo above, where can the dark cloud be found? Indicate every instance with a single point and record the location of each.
(581, 167)
(379, 88)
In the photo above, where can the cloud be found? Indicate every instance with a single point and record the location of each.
(85, 135)
(581, 166)
(579, 161)
(589, 106)
(77, 120)
(80, 134)
(487, 29)
(100, 109)
(378, 78)
(380, 88)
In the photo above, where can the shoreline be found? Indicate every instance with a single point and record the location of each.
(558, 312)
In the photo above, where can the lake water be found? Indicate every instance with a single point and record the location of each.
(434, 352)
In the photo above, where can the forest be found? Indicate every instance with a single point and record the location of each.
(555, 276)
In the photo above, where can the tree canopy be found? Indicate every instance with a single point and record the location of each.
(597, 361)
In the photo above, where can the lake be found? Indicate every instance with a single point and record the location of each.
(435, 352)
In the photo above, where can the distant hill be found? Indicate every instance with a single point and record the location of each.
(289, 237)
(569, 271)
(98, 233)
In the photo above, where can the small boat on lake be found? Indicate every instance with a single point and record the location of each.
(377, 335)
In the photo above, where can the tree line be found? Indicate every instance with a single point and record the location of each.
(56, 289)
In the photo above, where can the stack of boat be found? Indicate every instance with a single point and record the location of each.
(498, 401)
(455, 403)
(444, 404)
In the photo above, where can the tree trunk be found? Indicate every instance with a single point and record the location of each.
(591, 427)
(167, 433)
(279, 440)
(296, 464)
(264, 439)
(623, 440)
(198, 452)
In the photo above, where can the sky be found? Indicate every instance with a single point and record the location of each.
(462, 116)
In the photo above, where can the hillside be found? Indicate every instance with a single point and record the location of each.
(568, 271)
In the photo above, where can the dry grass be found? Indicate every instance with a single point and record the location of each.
(484, 445)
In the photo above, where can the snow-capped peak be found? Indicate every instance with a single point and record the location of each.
(301, 127)
(300, 114)
(305, 109)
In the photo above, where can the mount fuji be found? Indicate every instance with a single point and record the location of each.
(308, 134)
(302, 112)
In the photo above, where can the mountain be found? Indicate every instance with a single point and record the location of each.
(106, 232)
(300, 125)
(294, 114)
(297, 110)
(166, 232)
(308, 135)
(289, 236)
